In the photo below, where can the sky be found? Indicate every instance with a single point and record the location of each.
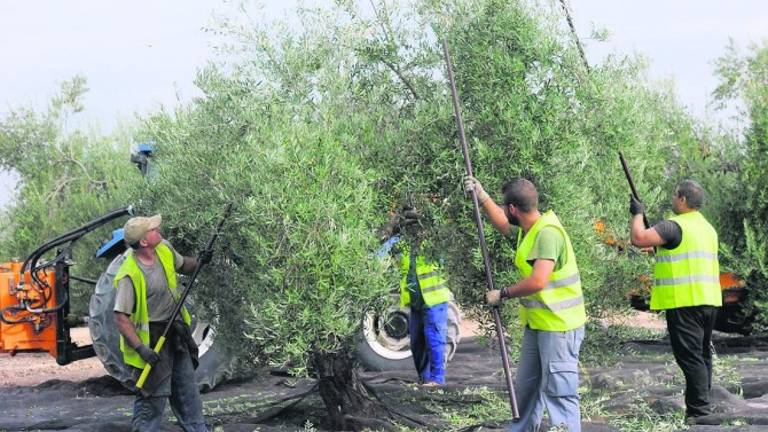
(138, 55)
(680, 38)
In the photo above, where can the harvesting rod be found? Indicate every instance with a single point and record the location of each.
(632, 186)
(481, 235)
(161, 341)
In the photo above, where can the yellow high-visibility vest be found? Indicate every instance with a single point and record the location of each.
(434, 287)
(688, 275)
(140, 315)
(560, 305)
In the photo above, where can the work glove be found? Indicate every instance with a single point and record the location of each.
(635, 207)
(493, 297)
(204, 257)
(148, 354)
(472, 184)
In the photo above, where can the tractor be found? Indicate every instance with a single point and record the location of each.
(35, 302)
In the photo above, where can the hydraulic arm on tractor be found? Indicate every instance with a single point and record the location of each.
(34, 298)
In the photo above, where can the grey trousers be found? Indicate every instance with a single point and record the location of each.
(181, 389)
(548, 376)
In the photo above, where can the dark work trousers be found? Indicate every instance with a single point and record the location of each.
(690, 334)
(176, 383)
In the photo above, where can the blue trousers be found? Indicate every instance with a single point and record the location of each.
(181, 388)
(548, 376)
(428, 329)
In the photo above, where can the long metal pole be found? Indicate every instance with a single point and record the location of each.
(481, 235)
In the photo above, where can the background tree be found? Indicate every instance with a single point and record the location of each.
(66, 178)
(744, 85)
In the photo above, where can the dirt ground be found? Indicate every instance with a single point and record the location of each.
(639, 319)
(37, 394)
(29, 369)
(276, 403)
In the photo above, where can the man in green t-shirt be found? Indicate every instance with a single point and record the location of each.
(551, 306)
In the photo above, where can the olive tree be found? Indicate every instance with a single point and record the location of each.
(295, 272)
(317, 132)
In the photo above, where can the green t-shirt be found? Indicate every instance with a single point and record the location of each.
(550, 245)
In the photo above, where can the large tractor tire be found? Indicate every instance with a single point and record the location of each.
(214, 366)
(384, 343)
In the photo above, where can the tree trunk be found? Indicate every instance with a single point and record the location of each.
(343, 393)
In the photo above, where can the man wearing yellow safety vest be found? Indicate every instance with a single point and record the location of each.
(551, 306)
(423, 288)
(686, 285)
(145, 301)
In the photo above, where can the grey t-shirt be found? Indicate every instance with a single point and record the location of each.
(160, 302)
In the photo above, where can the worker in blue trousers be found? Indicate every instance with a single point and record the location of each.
(423, 288)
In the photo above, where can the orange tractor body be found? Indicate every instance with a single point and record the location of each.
(24, 327)
(34, 298)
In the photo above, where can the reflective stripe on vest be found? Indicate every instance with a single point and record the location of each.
(434, 287)
(560, 305)
(688, 275)
(140, 316)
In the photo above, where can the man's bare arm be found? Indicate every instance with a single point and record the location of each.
(537, 281)
(126, 328)
(497, 217)
(642, 237)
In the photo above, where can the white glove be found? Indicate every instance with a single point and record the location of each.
(493, 297)
(472, 184)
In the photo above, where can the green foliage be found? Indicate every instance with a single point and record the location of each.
(743, 82)
(66, 179)
(317, 131)
(530, 110)
(367, 91)
(642, 418)
(481, 405)
(295, 271)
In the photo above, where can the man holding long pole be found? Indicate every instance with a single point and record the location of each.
(686, 286)
(551, 305)
(145, 304)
